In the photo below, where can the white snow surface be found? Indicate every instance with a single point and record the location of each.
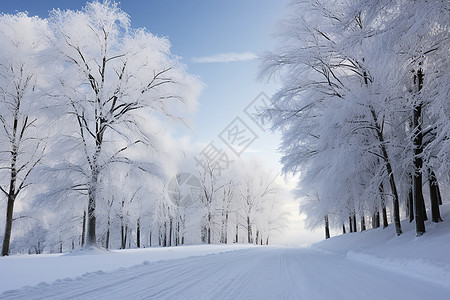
(374, 264)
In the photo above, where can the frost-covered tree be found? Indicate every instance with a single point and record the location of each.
(22, 126)
(113, 78)
(351, 112)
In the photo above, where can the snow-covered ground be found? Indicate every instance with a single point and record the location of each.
(371, 265)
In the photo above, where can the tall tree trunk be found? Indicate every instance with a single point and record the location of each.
(176, 233)
(237, 233)
(327, 228)
(363, 223)
(411, 203)
(150, 237)
(379, 131)
(249, 231)
(123, 232)
(343, 229)
(170, 232)
(138, 233)
(434, 197)
(350, 224)
(376, 219)
(164, 237)
(355, 229)
(108, 230)
(383, 206)
(91, 239)
(387, 162)
(83, 231)
(209, 228)
(417, 161)
(396, 204)
(226, 228)
(438, 190)
(8, 225)
(12, 193)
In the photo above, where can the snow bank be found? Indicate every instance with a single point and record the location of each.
(18, 271)
(426, 257)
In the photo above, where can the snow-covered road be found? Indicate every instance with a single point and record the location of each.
(255, 273)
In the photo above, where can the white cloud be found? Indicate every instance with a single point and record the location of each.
(225, 57)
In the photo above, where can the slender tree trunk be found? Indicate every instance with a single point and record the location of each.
(434, 188)
(377, 219)
(83, 232)
(138, 233)
(150, 237)
(249, 231)
(395, 201)
(396, 205)
(355, 229)
(165, 234)
(343, 229)
(176, 233)
(327, 228)
(350, 224)
(8, 225)
(12, 193)
(383, 206)
(209, 228)
(226, 228)
(417, 161)
(123, 231)
(170, 232)
(237, 233)
(108, 230)
(363, 223)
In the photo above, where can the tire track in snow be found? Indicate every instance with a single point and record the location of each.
(256, 273)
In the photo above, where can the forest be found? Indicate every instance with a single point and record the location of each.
(88, 156)
(364, 110)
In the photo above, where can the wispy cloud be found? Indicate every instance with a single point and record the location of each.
(225, 57)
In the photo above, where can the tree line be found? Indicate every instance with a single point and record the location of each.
(87, 108)
(364, 110)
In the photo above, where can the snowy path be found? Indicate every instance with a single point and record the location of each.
(255, 273)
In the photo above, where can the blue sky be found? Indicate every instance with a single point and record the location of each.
(200, 29)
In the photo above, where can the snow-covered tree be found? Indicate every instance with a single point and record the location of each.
(22, 127)
(351, 121)
(113, 78)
